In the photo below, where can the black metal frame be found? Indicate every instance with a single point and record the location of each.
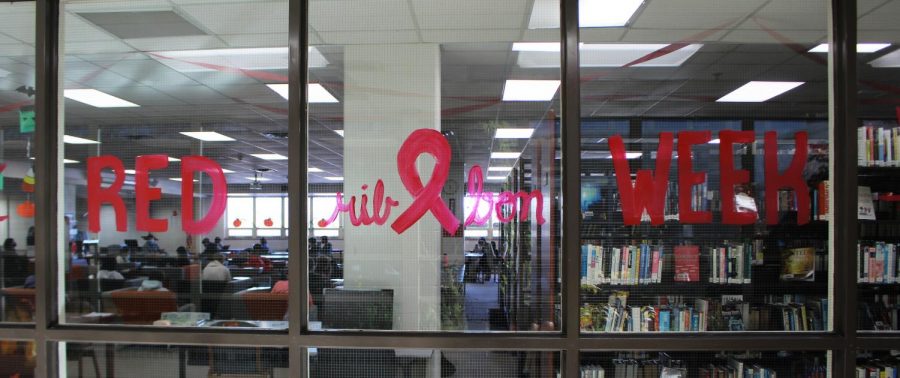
(842, 341)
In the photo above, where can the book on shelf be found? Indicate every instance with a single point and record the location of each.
(878, 263)
(888, 367)
(592, 371)
(821, 193)
(687, 263)
(731, 263)
(865, 203)
(878, 146)
(798, 264)
(639, 264)
(881, 313)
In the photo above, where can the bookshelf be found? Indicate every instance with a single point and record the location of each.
(703, 364)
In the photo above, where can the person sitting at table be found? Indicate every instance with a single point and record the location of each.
(108, 270)
(264, 245)
(9, 245)
(325, 246)
(215, 270)
(151, 244)
(313, 247)
(217, 242)
(183, 258)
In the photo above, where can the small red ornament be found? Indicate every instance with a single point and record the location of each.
(237, 223)
(268, 222)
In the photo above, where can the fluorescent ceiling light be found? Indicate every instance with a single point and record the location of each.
(130, 171)
(536, 46)
(591, 14)
(499, 169)
(224, 170)
(340, 132)
(97, 99)
(530, 90)
(496, 178)
(258, 178)
(514, 133)
(860, 47)
(207, 136)
(891, 60)
(264, 58)
(69, 161)
(316, 93)
(172, 159)
(76, 140)
(335, 178)
(314, 170)
(715, 141)
(179, 179)
(604, 55)
(270, 156)
(759, 91)
(630, 155)
(505, 155)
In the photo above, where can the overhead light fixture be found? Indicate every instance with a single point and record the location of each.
(315, 93)
(513, 133)
(76, 140)
(505, 155)
(891, 60)
(179, 179)
(258, 178)
(860, 47)
(591, 14)
(530, 90)
(496, 178)
(270, 156)
(759, 91)
(70, 161)
(335, 178)
(601, 140)
(314, 170)
(543, 55)
(207, 136)
(130, 172)
(97, 99)
(172, 159)
(225, 170)
(499, 169)
(714, 141)
(263, 58)
(339, 132)
(630, 155)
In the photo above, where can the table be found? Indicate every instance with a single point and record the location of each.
(183, 353)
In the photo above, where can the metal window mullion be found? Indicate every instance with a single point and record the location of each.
(571, 185)
(298, 128)
(46, 171)
(843, 232)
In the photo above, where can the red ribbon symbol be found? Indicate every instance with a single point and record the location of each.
(428, 197)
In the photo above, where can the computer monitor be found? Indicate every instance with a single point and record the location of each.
(131, 243)
(357, 309)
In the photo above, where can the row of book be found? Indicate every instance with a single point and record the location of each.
(639, 264)
(730, 263)
(640, 368)
(878, 263)
(736, 369)
(878, 369)
(882, 313)
(731, 313)
(878, 146)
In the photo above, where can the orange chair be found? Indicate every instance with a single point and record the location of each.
(143, 307)
(191, 272)
(265, 305)
(20, 303)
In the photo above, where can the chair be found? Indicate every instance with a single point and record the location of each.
(20, 303)
(226, 362)
(143, 307)
(191, 272)
(265, 305)
(77, 352)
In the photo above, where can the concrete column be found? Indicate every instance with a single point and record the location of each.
(390, 91)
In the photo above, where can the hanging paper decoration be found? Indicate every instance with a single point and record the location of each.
(28, 181)
(237, 223)
(26, 209)
(268, 222)
(26, 119)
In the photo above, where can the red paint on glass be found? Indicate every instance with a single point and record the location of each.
(190, 165)
(730, 177)
(428, 197)
(687, 177)
(98, 195)
(144, 193)
(649, 189)
(792, 178)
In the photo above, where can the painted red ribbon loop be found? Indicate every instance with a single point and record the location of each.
(427, 197)
(476, 191)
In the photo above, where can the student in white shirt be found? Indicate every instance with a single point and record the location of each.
(215, 270)
(108, 270)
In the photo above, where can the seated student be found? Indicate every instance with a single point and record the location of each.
(217, 242)
(108, 270)
(152, 285)
(183, 258)
(9, 245)
(325, 246)
(215, 270)
(263, 245)
(151, 243)
(313, 247)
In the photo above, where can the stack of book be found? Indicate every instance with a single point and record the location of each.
(592, 371)
(878, 263)
(736, 369)
(878, 369)
(617, 316)
(629, 265)
(730, 263)
(796, 313)
(878, 146)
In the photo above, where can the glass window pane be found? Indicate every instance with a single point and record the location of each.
(704, 148)
(17, 358)
(331, 362)
(174, 121)
(17, 83)
(440, 103)
(144, 360)
(675, 364)
(878, 158)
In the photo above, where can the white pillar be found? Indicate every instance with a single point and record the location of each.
(390, 91)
